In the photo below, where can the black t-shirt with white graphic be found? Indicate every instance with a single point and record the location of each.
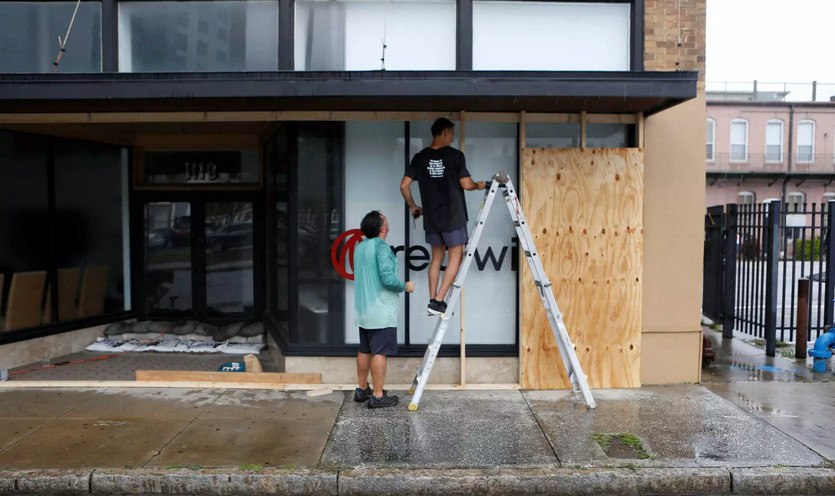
(442, 197)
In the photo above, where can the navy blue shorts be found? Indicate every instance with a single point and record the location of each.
(379, 341)
(452, 238)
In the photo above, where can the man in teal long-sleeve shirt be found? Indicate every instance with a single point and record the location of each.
(376, 295)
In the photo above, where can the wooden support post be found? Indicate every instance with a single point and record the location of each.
(583, 124)
(462, 141)
(641, 129)
(521, 261)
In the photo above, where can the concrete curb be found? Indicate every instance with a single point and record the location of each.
(213, 482)
(672, 481)
(453, 482)
(49, 481)
(783, 480)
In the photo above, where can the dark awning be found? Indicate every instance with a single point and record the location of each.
(475, 91)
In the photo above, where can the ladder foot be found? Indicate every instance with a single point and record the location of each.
(413, 407)
(411, 390)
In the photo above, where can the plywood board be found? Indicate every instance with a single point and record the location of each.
(585, 210)
(244, 377)
(25, 297)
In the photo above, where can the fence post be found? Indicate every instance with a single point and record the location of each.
(772, 251)
(802, 336)
(829, 287)
(729, 276)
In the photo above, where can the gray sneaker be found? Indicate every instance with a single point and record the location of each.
(382, 402)
(362, 395)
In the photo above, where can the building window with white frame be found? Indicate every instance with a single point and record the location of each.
(828, 197)
(774, 141)
(711, 140)
(746, 198)
(739, 140)
(795, 201)
(805, 141)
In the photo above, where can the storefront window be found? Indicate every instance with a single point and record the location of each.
(608, 135)
(374, 165)
(64, 263)
(491, 282)
(552, 135)
(24, 243)
(349, 35)
(91, 213)
(198, 36)
(319, 219)
(29, 32)
(550, 36)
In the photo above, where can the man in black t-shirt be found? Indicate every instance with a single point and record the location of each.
(442, 176)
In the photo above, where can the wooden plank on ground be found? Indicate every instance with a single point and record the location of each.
(585, 210)
(242, 377)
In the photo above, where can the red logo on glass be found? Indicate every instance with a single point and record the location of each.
(343, 250)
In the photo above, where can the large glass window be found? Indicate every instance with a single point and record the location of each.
(198, 36)
(739, 140)
(711, 140)
(24, 242)
(774, 141)
(607, 135)
(29, 34)
(552, 135)
(319, 218)
(351, 34)
(555, 36)
(67, 262)
(374, 165)
(91, 211)
(491, 283)
(805, 141)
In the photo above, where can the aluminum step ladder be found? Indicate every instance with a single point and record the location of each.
(501, 182)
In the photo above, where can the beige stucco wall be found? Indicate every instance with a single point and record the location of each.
(674, 198)
(40, 350)
(401, 370)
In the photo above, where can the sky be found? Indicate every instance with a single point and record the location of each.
(771, 40)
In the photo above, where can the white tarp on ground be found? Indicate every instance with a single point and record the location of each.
(175, 346)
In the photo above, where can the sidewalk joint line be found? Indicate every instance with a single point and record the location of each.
(541, 429)
(333, 428)
(175, 436)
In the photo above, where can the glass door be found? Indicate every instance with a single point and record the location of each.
(200, 252)
(229, 259)
(168, 258)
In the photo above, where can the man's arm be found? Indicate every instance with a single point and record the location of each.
(406, 191)
(468, 184)
(386, 268)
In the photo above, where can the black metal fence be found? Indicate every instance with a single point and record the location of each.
(754, 257)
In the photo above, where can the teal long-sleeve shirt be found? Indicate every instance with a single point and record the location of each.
(376, 286)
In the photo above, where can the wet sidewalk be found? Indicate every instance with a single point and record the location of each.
(744, 431)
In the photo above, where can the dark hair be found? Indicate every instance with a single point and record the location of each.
(371, 224)
(441, 125)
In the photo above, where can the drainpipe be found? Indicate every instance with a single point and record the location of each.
(790, 156)
(821, 352)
